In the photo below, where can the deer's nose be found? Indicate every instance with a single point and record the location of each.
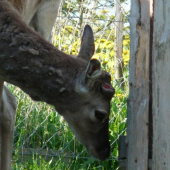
(104, 154)
(101, 154)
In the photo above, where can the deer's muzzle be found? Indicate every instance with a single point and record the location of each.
(101, 154)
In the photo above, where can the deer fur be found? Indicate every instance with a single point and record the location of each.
(40, 15)
(77, 87)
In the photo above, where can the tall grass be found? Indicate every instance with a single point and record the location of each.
(38, 126)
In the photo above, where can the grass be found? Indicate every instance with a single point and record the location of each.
(38, 126)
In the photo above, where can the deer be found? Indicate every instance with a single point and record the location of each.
(78, 88)
(39, 15)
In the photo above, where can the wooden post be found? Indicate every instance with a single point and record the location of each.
(118, 43)
(161, 86)
(138, 103)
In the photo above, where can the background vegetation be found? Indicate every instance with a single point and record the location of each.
(38, 125)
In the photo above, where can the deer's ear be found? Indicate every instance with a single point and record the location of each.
(87, 44)
(93, 70)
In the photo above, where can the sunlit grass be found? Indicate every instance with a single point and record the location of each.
(38, 125)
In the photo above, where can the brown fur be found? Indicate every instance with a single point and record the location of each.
(18, 4)
(7, 100)
(77, 87)
(38, 14)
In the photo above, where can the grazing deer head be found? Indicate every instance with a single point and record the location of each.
(87, 108)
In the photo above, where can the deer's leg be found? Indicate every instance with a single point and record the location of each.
(7, 121)
(45, 17)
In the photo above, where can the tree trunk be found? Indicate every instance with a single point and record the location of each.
(118, 44)
(161, 86)
(138, 103)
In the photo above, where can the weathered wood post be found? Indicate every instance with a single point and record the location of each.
(154, 39)
(161, 86)
(118, 43)
(138, 103)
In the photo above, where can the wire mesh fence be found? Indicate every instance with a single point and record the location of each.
(39, 129)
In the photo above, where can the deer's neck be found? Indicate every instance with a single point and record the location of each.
(33, 64)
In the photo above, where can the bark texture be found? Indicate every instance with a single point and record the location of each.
(161, 86)
(138, 103)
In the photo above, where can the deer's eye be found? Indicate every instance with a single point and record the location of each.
(99, 115)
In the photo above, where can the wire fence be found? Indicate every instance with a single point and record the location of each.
(38, 128)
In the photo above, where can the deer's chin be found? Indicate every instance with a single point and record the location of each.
(102, 155)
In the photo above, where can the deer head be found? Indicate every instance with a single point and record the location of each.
(90, 102)
(78, 88)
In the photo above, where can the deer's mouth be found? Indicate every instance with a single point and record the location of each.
(101, 154)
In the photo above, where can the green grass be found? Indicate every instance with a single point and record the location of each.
(39, 126)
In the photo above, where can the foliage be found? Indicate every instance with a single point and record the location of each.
(39, 126)
(104, 47)
(44, 129)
